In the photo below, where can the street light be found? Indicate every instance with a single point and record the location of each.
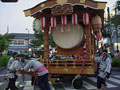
(28, 39)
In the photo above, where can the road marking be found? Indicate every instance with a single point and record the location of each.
(28, 86)
(2, 75)
(68, 87)
(1, 83)
(108, 84)
(117, 76)
(114, 80)
(51, 86)
(88, 86)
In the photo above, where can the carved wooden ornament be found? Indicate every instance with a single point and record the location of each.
(62, 10)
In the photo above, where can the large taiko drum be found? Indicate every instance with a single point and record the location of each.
(68, 36)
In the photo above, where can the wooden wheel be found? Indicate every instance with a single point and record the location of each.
(77, 83)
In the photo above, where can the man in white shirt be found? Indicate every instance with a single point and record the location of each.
(13, 69)
(22, 62)
(12, 59)
(104, 69)
(41, 70)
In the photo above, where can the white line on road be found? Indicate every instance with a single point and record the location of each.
(117, 76)
(114, 80)
(1, 83)
(2, 75)
(88, 86)
(68, 87)
(51, 86)
(95, 80)
(28, 86)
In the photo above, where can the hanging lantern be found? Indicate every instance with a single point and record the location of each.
(36, 25)
(74, 19)
(53, 22)
(86, 18)
(96, 23)
(64, 20)
(43, 22)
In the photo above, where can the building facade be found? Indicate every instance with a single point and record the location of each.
(21, 43)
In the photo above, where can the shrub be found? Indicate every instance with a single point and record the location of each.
(4, 60)
(115, 62)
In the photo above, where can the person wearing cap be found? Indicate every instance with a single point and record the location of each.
(104, 69)
(41, 70)
(13, 70)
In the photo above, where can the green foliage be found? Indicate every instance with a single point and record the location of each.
(105, 34)
(35, 43)
(3, 44)
(39, 38)
(116, 20)
(40, 41)
(9, 37)
(51, 42)
(115, 62)
(39, 35)
(118, 5)
(4, 60)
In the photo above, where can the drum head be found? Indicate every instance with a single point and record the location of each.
(68, 36)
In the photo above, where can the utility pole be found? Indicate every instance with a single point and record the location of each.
(109, 23)
(28, 40)
(109, 28)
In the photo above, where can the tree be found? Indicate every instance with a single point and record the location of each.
(35, 43)
(9, 37)
(51, 42)
(3, 44)
(116, 20)
(39, 38)
(106, 34)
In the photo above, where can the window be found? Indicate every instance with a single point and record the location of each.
(20, 42)
(15, 42)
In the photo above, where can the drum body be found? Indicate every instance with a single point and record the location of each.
(68, 36)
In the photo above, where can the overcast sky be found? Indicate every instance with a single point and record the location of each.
(12, 15)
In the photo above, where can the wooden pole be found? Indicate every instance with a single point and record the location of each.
(46, 43)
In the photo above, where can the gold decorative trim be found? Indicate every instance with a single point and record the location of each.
(82, 1)
(42, 5)
(61, 1)
(101, 5)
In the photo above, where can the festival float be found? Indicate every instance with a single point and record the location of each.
(76, 27)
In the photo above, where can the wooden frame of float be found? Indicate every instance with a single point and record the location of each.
(76, 66)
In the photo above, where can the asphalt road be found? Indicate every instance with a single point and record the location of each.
(88, 84)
